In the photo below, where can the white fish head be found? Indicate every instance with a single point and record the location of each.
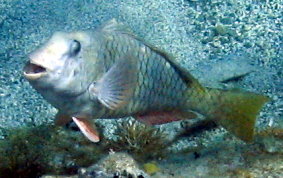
(59, 64)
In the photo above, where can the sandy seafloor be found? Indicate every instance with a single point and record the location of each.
(199, 33)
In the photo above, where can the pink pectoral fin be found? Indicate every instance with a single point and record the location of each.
(116, 86)
(87, 128)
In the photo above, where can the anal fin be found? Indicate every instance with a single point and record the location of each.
(163, 117)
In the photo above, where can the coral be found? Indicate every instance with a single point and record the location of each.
(141, 141)
(114, 165)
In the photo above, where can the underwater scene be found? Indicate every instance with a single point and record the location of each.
(141, 88)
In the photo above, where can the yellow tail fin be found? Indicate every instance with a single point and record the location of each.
(236, 111)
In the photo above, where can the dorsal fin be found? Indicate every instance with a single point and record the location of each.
(183, 72)
(114, 26)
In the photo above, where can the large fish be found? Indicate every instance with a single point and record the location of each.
(111, 73)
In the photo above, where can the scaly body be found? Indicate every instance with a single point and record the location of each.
(111, 73)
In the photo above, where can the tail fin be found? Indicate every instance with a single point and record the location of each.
(236, 111)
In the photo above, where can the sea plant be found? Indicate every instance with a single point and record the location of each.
(46, 149)
(74, 151)
(143, 142)
(22, 152)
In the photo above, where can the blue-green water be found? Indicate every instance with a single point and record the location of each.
(244, 36)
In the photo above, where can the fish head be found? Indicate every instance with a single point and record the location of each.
(59, 64)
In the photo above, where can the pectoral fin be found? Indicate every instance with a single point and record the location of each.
(87, 128)
(116, 87)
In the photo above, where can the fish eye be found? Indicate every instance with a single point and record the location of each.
(75, 47)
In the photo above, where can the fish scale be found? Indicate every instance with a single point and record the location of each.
(146, 87)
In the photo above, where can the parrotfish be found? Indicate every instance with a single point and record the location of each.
(112, 73)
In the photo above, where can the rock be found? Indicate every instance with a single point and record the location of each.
(271, 140)
(114, 165)
(232, 67)
(56, 176)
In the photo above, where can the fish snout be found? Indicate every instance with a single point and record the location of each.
(34, 68)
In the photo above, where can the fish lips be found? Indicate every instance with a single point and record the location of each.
(34, 71)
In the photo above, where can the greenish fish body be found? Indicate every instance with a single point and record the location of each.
(111, 73)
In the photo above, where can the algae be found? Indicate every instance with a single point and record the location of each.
(23, 152)
(151, 168)
(45, 149)
(32, 151)
(141, 141)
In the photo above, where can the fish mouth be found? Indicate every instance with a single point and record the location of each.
(33, 71)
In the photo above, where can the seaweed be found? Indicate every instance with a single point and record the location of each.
(141, 141)
(37, 150)
(75, 151)
(23, 152)
(32, 151)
